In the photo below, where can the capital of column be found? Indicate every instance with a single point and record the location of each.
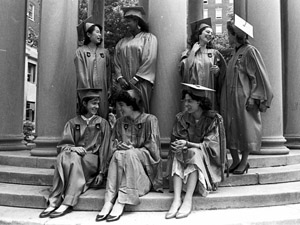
(45, 146)
(12, 143)
(272, 146)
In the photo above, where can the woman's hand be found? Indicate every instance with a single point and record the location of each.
(99, 179)
(79, 150)
(214, 69)
(178, 146)
(123, 83)
(250, 105)
(124, 146)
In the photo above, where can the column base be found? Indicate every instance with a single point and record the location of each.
(292, 142)
(272, 146)
(45, 146)
(12, 143)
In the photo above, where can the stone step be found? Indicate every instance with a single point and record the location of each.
(30, 196)
(24, 159)
(44, 177)
(275, 215)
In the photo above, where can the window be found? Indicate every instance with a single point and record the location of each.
(31, 72)
(205, 1)
(30, 13)
(231, 1)
(218, 28)
(205, 13)
(218, 1)
(30, 108)
(219, 13)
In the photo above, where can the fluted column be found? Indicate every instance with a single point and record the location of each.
(291, 88)
(267, 38)
(167, 20)
(12, 62)
(56, 89)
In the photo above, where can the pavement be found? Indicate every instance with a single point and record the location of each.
(275, 215)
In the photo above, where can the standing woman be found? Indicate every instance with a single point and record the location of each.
(202, 64)
(247, 93)
(198, 152)
(92, 62)
(83, 157)
(135, 55)
(135, 167)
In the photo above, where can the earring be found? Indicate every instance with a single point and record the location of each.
(138, 27)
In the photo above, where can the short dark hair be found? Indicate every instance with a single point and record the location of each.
(240, 38)
(91, 29)
(82, 108)
(205, 102)
(141, 23)
(124, 96)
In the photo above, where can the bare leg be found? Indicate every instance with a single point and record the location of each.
(187, 204)
(177, 184)
(117, 209)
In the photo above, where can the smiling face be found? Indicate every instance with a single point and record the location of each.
(92, 107)
(206, 35)
(124, 109)
(190, 104)
(95, 36)
(131, 24)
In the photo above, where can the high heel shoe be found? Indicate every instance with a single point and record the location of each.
(232, 169)
(242, 171)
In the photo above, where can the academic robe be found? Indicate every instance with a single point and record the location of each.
(209, 160)
(74, 173)
(246, 77)
(94, 71)
(133, 173)
(195, 69)
(135, 56)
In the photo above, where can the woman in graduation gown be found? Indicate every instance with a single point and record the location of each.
(92, 63)
(247, 92)
(135, 167)
(83, 157)
(198, 155)
(136, 54)
(202, 64)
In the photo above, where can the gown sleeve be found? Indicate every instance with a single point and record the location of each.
(104, 151)
(67, 140)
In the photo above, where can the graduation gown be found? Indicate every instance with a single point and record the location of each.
(246, 77)
(209, 159)
(133, 173)
(136, 56)
(74, 173)
(195, 69)
(94, 71)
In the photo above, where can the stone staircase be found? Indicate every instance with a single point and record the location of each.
(272, 180)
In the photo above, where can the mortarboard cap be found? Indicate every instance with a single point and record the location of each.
(196, 89)
(243, 26)
(88, 92)
(134, 11)
(199, 24)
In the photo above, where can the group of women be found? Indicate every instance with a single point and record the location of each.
(127, 157)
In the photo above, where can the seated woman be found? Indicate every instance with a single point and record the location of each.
(135, 167)
(197, 155)
(83, 157)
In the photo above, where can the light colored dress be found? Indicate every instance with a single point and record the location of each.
(136, 56)
(74, 173)
(208, 160)
(195, 69)
(93, 70)
(246, 77)
(133, 173)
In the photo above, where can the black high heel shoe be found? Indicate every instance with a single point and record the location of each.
(242, 171)
(232, 169)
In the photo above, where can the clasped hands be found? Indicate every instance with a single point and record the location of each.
(123, 146)
(252, 103)
(179, 146)
(125, 85)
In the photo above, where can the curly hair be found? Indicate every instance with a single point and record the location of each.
(204, 102)
(91, 29)
(195, 38)
(82, 108)
(124, 96)
(141, 23)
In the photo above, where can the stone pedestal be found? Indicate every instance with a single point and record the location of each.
(167, 20)
(291, 109)
(56, 92)
(267, 39)
(12, 62)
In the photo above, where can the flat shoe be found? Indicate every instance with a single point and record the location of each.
(113, 218)
(58, 214)
(183, 215)
(101, 217)
(170, 215)
(45, 214)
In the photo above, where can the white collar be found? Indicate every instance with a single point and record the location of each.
(87, 119)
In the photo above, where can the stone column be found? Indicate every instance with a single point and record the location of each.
(96, 8)
(56, 91)
(167, 20)
(267, 38)
(12, 62)
(195, 12)
(291, 109)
